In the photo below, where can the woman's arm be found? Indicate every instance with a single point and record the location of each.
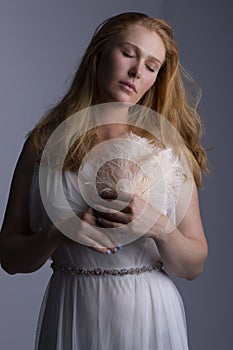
(183, 250)
(24, 251)
(21, 249)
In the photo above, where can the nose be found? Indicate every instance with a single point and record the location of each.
(135, 71)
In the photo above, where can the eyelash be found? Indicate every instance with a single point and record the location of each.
(126, 54)
(150, 69)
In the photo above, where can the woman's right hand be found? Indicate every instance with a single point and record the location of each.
(87, 233)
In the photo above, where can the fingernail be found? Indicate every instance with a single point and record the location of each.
(99, 220)
(119, 247)
(108, 252)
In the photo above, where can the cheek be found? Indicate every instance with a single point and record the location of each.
(117, 61)
(115, 64)
(148, 82)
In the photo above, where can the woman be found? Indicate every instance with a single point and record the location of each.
(104, 294)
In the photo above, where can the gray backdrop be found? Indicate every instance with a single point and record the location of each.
(41, 44)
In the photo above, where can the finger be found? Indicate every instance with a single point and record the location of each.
(89, 217)
(108, 193)
(107, 250)
(93, 237)
(113, 216)
(101, 246)
(101, 250)
(117, 218)
(124, 196)
(114, 206)
(106, 223)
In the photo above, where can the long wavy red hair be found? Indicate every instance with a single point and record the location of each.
(167, 96)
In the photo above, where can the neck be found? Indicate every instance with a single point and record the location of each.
(112, 118)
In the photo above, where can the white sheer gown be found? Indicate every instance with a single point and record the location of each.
(110, 311)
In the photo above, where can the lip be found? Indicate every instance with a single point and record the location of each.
(129, 85)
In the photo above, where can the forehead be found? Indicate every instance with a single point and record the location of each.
(146, 40)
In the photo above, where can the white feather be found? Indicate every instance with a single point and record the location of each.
(133, 164)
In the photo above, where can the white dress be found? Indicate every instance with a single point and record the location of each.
(94, 302)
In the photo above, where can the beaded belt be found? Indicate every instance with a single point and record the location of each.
(103, 272)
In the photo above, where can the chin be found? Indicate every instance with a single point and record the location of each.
(124, 99)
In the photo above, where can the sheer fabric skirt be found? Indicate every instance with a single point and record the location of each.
(138, 312)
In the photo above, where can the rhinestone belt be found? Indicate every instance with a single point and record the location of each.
(106, 272)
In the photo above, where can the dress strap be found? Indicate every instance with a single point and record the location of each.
(106, 272)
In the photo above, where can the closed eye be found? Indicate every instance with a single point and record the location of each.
(150, 69)
(126, 54)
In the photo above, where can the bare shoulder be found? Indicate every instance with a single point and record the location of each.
(16, 219)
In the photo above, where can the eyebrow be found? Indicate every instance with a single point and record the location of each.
(138, 49)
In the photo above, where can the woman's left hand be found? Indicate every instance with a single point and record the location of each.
(132, 209)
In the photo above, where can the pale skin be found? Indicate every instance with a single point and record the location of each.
(134, 57)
